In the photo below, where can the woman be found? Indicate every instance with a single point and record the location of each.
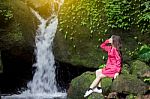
(113, 65)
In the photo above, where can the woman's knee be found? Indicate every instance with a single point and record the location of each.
(98, 72)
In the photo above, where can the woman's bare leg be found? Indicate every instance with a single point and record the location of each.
(97, 81)
(99, 72)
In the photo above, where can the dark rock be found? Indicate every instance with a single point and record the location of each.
(1, 65)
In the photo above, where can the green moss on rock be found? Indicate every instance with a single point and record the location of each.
(80, 84)
(125, 69)
(129, 84)
(20, 29)
(138, 67)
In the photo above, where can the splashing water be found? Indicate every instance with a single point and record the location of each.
(44, 83)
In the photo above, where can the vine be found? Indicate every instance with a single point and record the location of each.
(126, 13)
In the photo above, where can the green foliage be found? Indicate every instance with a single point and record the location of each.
(144, 53)
(82, 13)
(147, 80)
(102, 66)
(127, 13)
(7, 14)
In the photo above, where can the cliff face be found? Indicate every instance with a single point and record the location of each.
(18, 26)
(17, 30)
(82, 28)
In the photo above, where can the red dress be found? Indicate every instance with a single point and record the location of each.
(113, 64)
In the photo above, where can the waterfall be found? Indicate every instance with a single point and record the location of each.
(44, 77)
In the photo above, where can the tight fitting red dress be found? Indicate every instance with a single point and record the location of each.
(113, 64)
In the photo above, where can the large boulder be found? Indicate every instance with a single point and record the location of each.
(80, 84)
(138, 67)
(17, 32)
(18, 25)
(129, 84)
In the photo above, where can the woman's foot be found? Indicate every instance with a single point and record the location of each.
(88, 92)
(97, 90)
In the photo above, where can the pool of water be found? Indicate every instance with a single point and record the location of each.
(36, 96)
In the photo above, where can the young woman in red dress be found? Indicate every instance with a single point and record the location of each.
(113, 65)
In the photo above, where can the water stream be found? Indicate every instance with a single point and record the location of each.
(43, 85)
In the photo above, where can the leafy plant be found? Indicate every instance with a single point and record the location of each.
(147, 80)
(144, 53)
(102, 66)
(127, 13)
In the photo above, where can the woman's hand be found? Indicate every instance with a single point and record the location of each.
(110, 40)
(116, 74)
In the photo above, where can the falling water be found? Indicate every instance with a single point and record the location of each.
(44, 82)
(44, 77)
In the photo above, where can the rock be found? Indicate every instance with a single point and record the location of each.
(112, 95)
(125, 69)
(96, 96)
(138, 67)
(17, 33)
(20, 29)
(129, 84)
(80, 84)
(143, 96)
(131, 96)
(144, 74)
(44, 7)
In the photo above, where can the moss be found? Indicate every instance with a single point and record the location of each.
(137, 67)
(129, 84)
(96, 96)
(80, 84)
(125, 69)
(21, 28)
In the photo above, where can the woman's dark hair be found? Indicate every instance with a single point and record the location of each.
(116, 42)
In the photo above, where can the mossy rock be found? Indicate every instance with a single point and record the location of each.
(125, 69)
(138, 67)
(129, 84)
(80, 84)
(131, 96)
(20, 29)
(96, 96)
(44, 7)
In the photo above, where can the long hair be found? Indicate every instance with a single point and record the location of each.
(116, 42)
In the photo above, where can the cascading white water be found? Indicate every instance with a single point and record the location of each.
(44, 77)
(44, 83)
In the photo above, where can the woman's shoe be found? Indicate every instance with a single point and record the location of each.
(97, 90)
(88, 92)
